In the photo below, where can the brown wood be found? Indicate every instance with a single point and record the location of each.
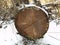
(31, 23)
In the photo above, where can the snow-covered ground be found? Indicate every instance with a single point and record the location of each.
(9, 36)
(53, 34)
